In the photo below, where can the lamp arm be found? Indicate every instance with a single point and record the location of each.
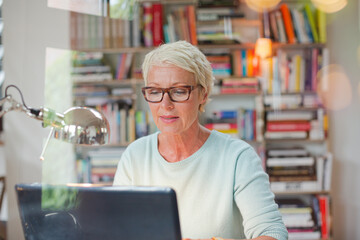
(47, 116)
(8, 104)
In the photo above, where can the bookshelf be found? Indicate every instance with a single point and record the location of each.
(252, 111)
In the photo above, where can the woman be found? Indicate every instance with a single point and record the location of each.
(220, 185)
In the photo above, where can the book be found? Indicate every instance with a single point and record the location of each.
(324, 205)
(283, 101)
(309, 16)
(289, 161)
(288, 23)
(148, 24)
(190, 12)
(298, 186)
(279, 152)
(157, 28)
(286, 135)
(299, 26)
(321, 25)
(280, 27)
(328, 167)
(273, 27)
(284, 126)
(290, 115)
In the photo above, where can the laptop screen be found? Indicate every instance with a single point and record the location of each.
(131, 213)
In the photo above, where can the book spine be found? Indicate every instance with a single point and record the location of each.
(148, 24)
(310, 17)
(158, 35)
(321, 25)
(288, 23)
(192, 24)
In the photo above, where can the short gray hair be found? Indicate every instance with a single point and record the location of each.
(183, 55)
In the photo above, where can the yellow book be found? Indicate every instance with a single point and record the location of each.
(321, 25)
(297, 73)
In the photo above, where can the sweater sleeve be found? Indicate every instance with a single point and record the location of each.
(255, 200)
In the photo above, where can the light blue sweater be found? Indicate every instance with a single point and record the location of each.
(221, 189)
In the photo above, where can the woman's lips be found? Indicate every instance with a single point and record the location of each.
(168, 119)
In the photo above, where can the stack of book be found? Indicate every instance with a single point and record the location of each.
(225, 122)
(214, 25)
(240, 123)
(239, 85)
(295, 24)
(288, 124)
(290, 165)
(220, 63)
(99, 166)
(296, 124)
(89, 67)
(299, 219)
(294, 169)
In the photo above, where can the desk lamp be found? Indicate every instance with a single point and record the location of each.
(78, 125)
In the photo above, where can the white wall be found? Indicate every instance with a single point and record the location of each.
(30, 27)
(344, 42)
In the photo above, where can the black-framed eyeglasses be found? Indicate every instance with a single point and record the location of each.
(176, 94)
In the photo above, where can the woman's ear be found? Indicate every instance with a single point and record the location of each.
(204, 95)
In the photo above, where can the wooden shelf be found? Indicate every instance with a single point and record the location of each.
(207, 46)
(110, 97)
(235, 94)
(112, 83)
(294, 140)
(298, 45)
(303, 192)
(271, 109)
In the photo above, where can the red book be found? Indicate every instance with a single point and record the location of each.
(221, 126)
(324, 212)
(148, 24)
(288, 23)
(158, 35)
(286, 126)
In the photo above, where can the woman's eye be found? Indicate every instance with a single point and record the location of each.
(179, 91)
(155, 91)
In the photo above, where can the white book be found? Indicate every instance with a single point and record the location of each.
(290, 161)
(320, 171)
(290, 115)
(301, 186)
(286, 135)
(328, 171)
(283, 100)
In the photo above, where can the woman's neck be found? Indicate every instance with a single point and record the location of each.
(177, 147)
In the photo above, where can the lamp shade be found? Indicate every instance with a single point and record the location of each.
(263, 47)
(84, 126)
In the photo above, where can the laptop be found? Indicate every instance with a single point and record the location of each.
(70, 212)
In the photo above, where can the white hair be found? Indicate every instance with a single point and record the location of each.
(183, 55)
